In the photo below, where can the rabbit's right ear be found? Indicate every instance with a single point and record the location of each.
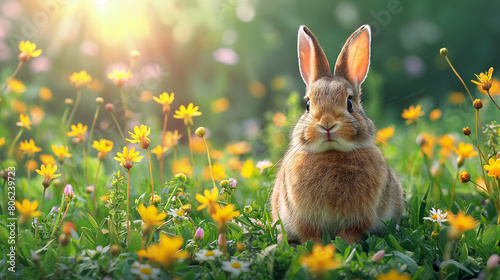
(312, 59)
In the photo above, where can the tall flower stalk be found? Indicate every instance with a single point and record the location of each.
(28, 50)
(140, 136)
(127, 159)
(78, 131)
(48, 173)
(165, 100)
(187, 114)
(79, 80)
(103, 147)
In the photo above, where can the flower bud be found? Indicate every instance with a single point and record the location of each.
(200, 132)
(99, 100)
(188, 122)
(435, 235)
(464, 177)
(109, 107)
(135, 54)
(199, 234)
(64, 240)
(378, 256)
(460, 161)
(443, 51)
(492, 262)
(68, 101)
(248, 209)
(181, 177)
(240, 247)
(68, 191)
(24, 57)
(156, 199)
(115, 250)
(186, 209)
(466, 131)
(89, 189)
(477, 104)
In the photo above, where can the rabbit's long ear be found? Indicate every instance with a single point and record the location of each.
(312, 59)
(354, 59)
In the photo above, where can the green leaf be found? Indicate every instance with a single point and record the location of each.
(327, 239)
(92, 221)
(410, 263)
(135, 242)
(391, 241)
(340, 244)
(457, 264)
(423, 204)
(490, 236)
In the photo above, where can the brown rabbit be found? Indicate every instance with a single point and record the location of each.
(333, 177)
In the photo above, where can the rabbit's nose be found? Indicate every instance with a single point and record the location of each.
(328, 126)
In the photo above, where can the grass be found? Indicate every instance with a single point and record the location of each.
(235, 236)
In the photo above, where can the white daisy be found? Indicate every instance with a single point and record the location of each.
(437, 216)
(144, 271)
(207, 255)
(235, 266)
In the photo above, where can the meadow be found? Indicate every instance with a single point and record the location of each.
(103, 178)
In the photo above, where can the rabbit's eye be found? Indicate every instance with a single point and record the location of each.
(308, 105)
(349, 104)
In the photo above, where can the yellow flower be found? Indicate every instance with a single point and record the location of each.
(484, 79)
(493, 168)
(36, 114)
(150, 217)
(24, 121)
(435, 114)
(31, 165)
(234, 164)
(238, 148)
(128, 157)
(28, 50)
(198, 145)
(159, 151)
(48, 173)
(61, 152)
(80, 79)
(165, 100)
(45, 94)
(457, 97)
(320, 260)
(247, 169)
(279, 119)
(465, 150)
(18, 106)
(219, 172)
(140, 136)
(15, 85)
(27, 210)
(461, 223)
(393, 275)
(166, 252)
(77, 131)
(119, 77)
(146, 96)
(495, 87)
(2, 141)
(182, 166)
(412, 114)
(220, 105)
(224, 215)
(447, 144)
(187, 113)
(384, 134)
(209, 200)
(171, 139)
(103, 147)
(29, 147)
(47, 159)
(426, 143)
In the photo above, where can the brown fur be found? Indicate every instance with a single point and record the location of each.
(344, 186)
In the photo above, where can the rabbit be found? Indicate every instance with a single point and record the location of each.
(333, 177)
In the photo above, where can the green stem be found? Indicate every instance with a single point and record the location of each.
(128, 213)
(38, 219)
(58, 216)
(11, 148)
(125, 109)
(488, 91)
(118, 126)
(63, 122)
(75, 106)
(209, 162)
(191, 152)
(93, 125)
(151, 173)
(86, 165)
(460, 78)
(452, 192)
(11, 77)
(64, 216)
(95, 187)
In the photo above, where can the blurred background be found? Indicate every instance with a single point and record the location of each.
(236, 59)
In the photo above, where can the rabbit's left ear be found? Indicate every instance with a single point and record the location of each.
(354, 59)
